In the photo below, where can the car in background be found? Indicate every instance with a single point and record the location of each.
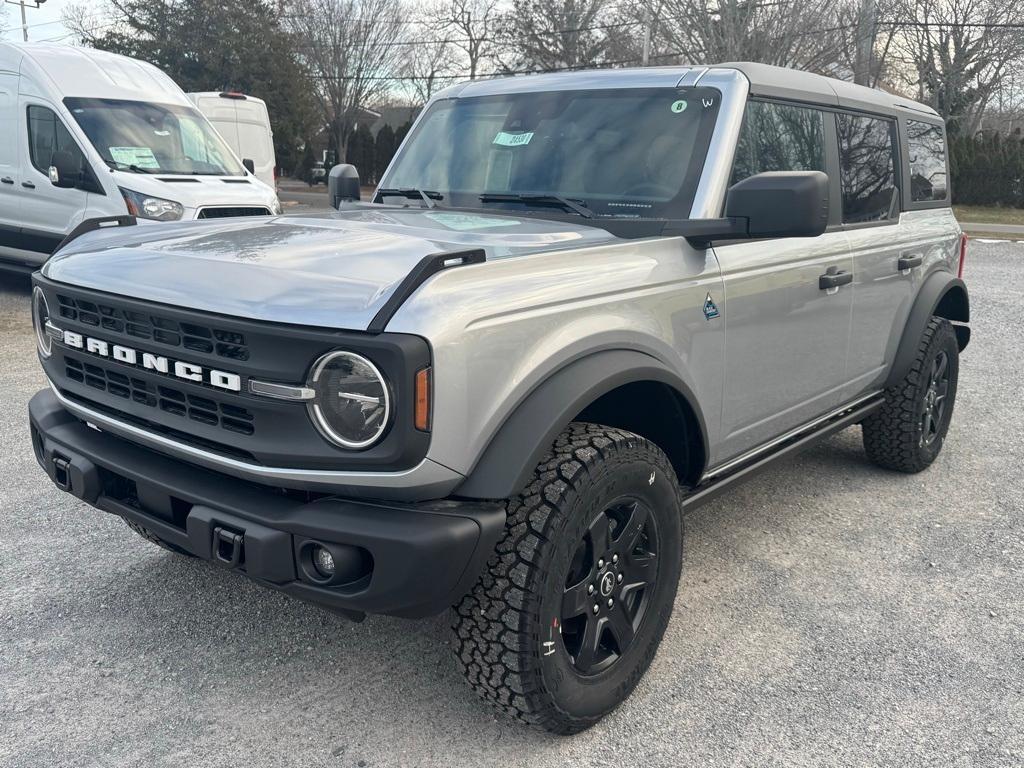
(87, 134)
(244, 123)
(317, 174)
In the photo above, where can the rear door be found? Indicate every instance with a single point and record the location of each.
(891, 248)
(10, 200)
(48, 212)
(786, 337)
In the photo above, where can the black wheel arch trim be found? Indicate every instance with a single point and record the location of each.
(515, 449)
(941, 294)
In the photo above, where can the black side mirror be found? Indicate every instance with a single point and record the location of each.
(65, 171)
(343, 185)
(250, 166)
(780, 204)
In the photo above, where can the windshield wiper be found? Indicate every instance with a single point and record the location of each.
(133, 168)
(427, 196)
(577, 207)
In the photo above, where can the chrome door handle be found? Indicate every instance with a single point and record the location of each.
(834, 278)
(7, 180)
(909, 262)
(28, 185)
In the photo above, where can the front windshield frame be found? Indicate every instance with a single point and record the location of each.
(219, 160)
(675, 207)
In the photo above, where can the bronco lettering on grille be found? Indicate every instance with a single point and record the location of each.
(232, 382)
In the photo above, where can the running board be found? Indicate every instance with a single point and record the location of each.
(712, 488)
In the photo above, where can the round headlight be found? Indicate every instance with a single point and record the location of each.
(352, 404)
(40, 317)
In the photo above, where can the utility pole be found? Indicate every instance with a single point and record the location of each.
(647, 36)
(24, 20)
(866, 30)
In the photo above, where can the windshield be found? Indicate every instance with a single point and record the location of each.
(624, 153)
(153, 138)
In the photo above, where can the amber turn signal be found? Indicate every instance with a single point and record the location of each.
(422, 413)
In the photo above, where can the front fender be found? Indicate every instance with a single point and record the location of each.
(519, 444)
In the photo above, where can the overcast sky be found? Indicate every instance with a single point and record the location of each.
(43, 22)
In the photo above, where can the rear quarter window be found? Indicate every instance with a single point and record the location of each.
(926, 149)
(867, 168)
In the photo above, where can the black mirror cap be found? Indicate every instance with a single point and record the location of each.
(781, 203)
(249, 165)
(343, 184)
(64, 171)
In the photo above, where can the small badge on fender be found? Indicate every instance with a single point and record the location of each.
(710, 309)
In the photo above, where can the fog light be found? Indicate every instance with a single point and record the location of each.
(323, 561)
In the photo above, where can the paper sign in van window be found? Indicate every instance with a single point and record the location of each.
(140, 157)
(512, 139)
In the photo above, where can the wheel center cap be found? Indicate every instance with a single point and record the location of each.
(607, 584)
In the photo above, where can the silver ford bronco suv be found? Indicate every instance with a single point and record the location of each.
(578, 306)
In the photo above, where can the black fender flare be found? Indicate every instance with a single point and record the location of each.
(941, 294)
(517, 447)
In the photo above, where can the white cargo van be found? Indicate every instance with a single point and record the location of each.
(244, 123)
(87, 134)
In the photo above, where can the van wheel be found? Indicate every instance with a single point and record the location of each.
(152, 538)
(907, 432)
(572, 606)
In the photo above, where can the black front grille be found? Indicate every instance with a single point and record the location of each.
(153, 327)
(171, 400)
(232, 212)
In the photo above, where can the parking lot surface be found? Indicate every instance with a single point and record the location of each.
(830, 614)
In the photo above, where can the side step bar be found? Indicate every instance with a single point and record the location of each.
(816, 432)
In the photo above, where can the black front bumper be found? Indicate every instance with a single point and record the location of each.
(404, 559)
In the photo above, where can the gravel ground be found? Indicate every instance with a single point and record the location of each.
(830, 614)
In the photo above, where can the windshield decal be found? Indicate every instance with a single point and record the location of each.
(512, 139)
(678, 106)
(140, 157)
(462, 223)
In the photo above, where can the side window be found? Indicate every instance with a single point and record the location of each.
(926, 146)
(867, 166)
(779, 137)
(46, 135)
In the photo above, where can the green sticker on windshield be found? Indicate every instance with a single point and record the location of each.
(678, 106)
(512, 139)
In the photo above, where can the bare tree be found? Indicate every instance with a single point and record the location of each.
(349, 48)
(556, 34)
(474, 28)
(959, 53)
(433, 63)
(791, 33)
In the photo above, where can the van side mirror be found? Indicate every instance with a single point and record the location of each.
(343, 185)
(65, 172)
(780, 204)
(250, 166)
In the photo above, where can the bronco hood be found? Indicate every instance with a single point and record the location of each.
(331, 271)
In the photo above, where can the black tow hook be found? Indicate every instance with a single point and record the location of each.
(227, 546)
(62, 472)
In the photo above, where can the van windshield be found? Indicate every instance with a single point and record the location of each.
(634, 153)
(153, 138)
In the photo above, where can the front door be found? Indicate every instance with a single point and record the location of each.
(10, 200)
(786, 332)
(48, 212)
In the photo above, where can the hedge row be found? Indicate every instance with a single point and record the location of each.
(987, 169)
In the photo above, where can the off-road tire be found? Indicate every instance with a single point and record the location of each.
(501, 626)
(893, 434)
(152, 538)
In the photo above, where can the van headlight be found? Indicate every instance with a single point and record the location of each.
(155, 208)
(352, 403)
